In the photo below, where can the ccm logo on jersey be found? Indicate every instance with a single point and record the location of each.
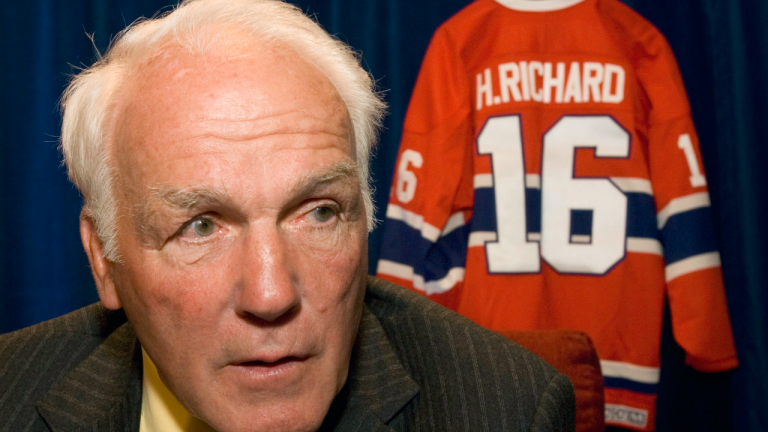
(547, 82)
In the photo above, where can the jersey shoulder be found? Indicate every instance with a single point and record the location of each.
(626, 26)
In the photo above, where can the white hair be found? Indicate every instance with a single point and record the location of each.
(89, 101)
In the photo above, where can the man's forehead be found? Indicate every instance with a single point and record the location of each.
(213, 47)
(239, 80)
(264, 72)
(235, 95)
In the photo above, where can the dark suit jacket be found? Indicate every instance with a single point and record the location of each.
(416, 366)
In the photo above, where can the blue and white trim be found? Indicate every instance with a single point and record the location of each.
(433, 260)
(692, 264)
(629, 371)
(688, 234)
(681, 205)
(413, 220)
(401, 271)
(628, 376)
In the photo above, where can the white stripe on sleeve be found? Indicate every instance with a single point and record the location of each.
(682, 204)
(629, 371)
(692, 264)
(454, 276)
(397, 270)
(455, 221)
(415, 221)
(402, 271)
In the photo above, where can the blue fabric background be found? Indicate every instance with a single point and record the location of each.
(721, 47)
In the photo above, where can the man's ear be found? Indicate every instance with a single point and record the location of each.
(100, 266)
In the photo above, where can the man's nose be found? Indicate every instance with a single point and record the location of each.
(269, 289)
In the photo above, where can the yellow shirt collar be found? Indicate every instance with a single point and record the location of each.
(160, 410)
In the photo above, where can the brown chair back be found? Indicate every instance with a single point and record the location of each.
(573, 354)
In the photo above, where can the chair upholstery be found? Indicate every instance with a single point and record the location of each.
(573, 354)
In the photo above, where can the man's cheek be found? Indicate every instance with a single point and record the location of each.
(339, 248)
(186, 294)
(337, 265)
(338, 281)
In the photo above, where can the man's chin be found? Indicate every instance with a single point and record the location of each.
(300, 405)
(272, 418)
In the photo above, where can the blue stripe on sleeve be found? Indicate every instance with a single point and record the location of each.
(625, 384)
(689, 234)
(448, 252)
(405, 245)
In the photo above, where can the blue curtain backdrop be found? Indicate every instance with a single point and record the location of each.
(722, 48)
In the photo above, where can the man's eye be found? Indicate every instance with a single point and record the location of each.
(203, 227)
(323, 214)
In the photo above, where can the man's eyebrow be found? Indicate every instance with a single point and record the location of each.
(187, 200)
(343, 171)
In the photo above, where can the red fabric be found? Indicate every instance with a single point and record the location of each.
(572, 354)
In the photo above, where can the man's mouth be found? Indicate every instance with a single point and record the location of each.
(276, 363)
(267, 369)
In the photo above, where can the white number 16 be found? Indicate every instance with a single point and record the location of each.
(561, 192)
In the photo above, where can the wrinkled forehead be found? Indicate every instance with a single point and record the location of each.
(234, 86)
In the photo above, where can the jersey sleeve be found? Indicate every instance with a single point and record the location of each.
(694, 280)
(425, 235)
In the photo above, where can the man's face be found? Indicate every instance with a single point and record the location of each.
(242, 233)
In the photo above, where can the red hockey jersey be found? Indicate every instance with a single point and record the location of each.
(549, 177)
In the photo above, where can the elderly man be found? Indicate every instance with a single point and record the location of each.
(222, 153)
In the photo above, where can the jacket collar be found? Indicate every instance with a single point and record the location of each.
(378, 386)
(103, 393)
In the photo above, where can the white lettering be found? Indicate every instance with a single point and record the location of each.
(573, 87)
(509, 79)
(611, 71)
(557, 82)
(525, 86)
(551, 82)
(533, 68)
(484, 89)
(591, 80)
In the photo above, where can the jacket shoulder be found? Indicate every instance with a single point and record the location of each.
(470, 378)
(35, 358)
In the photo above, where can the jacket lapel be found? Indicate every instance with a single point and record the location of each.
(103, 393)
(378, 387)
